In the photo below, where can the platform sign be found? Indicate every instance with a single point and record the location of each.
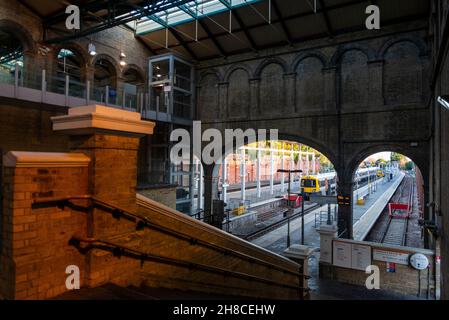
(319, 199)
(342, 254)
(344, 200)
(391, 256)
(361, 257)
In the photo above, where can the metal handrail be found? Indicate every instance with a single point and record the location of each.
(120, 250)
(143, 221)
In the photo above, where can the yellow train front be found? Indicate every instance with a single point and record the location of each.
(310, 184)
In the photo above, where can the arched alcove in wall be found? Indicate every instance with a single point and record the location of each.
(238, 94)
(354, 79)
(310, 84)
(272, 90)
(208, 97)
(403, 74)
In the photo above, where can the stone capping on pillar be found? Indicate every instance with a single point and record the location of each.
(24, 159)
(86, 119)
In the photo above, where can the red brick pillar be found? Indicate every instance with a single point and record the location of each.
(35, 250)
(110, 137)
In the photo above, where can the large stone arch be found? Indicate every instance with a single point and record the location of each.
(352, 161)
(284, 135)
(419, 155)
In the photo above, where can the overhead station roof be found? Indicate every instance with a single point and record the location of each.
(205, 29)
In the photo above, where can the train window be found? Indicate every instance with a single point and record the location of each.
(308, 183)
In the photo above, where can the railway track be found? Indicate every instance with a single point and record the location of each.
(396, 229)
(278, 224)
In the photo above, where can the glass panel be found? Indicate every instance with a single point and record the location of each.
(113, 96)
(182, 104)
(77, 89)
(30, 78)
(159, 98)
(99, 94)
(182, 78)
(6, 76)
(131, 101)
(56, 85)
(177, 15)
(161, 70)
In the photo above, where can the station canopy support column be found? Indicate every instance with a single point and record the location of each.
(271, 173)
(243, 174)
(224, 185)
(282, 168)
(259, 159)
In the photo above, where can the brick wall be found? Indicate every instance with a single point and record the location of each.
(35, 239)
(35, 251)
(28, 127)
(406, 280)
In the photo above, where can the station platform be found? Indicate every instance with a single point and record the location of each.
(365, 216)
(276, 241)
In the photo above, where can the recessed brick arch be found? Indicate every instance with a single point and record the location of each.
(136, 68)
(208, 107)
(368, 51)
(305, 55)
(419, 43)
(108, 58)
(266, 62)
(75, 48)
(208, 72)
(20, 33)
(236, 67)
(116, 73)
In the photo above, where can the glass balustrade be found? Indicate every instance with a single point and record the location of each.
(30, 78)
(77, 89)
(6, 76)
(165, 96)
(56, 84)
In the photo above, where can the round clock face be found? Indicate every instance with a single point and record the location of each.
(419, 261)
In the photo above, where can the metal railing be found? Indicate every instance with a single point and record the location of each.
(201, 215)
(120, 250)
(42, 87)
(145, 222)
